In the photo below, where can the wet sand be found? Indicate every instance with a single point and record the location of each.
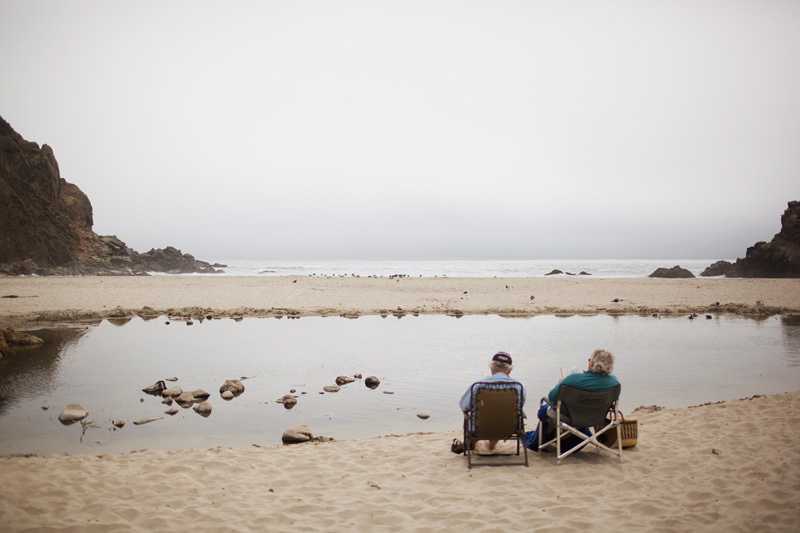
(60, 299)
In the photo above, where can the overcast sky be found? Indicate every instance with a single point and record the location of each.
(416, 129)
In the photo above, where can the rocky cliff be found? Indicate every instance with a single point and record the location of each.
(779, 258)
(46, 222)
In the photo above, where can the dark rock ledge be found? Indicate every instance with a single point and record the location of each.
(46, 223)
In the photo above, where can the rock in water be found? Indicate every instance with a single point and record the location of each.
(233, 385)
(172, 392)
(156, 388)
(331, 388)
(146, 420)
(344, 380)
(200, 395)
(203, 409)
(186, 399)
(372, 382)
(287, 400)
(72, 413)
(297, 434)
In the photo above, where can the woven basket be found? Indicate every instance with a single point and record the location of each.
(628, 428)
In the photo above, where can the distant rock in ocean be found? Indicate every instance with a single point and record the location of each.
(47, 222)
(720, 268)
(674, 272)
(779, 258)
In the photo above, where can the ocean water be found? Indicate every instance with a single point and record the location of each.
(425, 362)
(598, 268)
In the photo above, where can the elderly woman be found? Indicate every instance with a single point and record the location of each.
(598, 377)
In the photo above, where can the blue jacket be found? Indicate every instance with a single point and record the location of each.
(466, 399)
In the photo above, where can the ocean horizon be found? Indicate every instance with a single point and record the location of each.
(482, 268)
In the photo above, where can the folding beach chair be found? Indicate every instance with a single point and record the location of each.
(587, 409)
(497, 415)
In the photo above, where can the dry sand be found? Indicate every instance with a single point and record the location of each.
(54, 299)
(731, 466)
(724, 467)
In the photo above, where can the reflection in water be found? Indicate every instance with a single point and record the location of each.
(791, 338)
(423, 363)
(32, 370)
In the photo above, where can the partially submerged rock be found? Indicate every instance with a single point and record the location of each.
(203, 409)
(344, 380)
(233, 385)
(172, 392)
(331, 388)
(200, 395)
(372, 382)
(156, 388)
(287, 400)
(9, 338)
(186, 399)
(72, 413)
(146, 420)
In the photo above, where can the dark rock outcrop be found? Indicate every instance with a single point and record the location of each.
(46, 222)
(720, 268)
(9, 338)
(674, 272)
(779, 258)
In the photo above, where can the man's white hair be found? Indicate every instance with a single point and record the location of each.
(497, 366)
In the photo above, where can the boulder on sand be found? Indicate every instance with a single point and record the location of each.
(297, 434)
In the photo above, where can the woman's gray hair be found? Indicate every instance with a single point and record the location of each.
(602, 362)
(497, 366)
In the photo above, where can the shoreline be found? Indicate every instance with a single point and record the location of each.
(707, 461)
(707, 466)
(49, 300)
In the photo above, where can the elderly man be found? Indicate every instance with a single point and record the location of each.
(501, 367)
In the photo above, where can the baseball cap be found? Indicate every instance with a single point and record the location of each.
(502, 357)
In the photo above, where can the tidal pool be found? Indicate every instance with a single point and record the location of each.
(426, 362)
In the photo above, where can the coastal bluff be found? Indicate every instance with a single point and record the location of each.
(46, 222)
(779, 258)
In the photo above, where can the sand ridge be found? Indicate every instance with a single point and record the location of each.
(59, 299)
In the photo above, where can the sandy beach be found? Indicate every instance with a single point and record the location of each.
(723, 467)
(59, 299)
(729, 466)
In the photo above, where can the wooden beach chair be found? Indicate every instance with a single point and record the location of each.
(587, 409)
(497, 415)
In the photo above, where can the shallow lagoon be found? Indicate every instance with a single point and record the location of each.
(426, 361)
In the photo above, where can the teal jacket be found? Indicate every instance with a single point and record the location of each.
(587, 380)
